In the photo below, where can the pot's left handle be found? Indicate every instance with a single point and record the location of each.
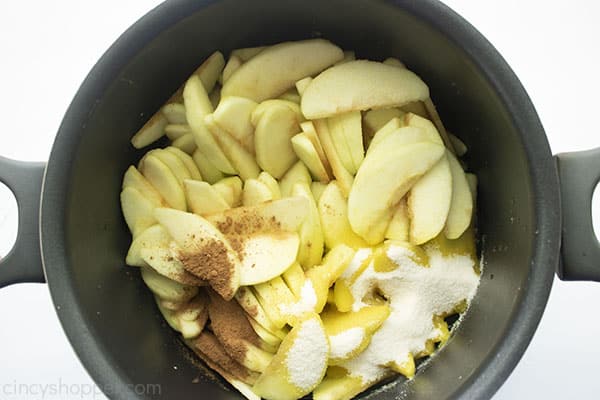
(579, 174)
(24, 262)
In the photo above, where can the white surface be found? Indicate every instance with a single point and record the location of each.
(48, 49)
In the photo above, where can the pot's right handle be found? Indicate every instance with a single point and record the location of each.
(24, 262)
(579, 174)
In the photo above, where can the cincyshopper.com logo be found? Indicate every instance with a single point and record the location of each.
(63, 390)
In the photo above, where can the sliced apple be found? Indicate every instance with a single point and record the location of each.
(399, 226)
(291, 95)
(210, 70)
(174, 163)
(234, 115)
(209, 172)
(198, 105)
(342, 175)
(230, 189)
(164, 181)
(392, 125)
(350, 333)
(310, 252)
(461, 206)
(317, 189)
(174, 112)
(267, 104)
(175, 131)
(247, 53)
(255, 192)
(336, 387)
(323, 276)
(272, 140)
(274, 296)
(187, 160)
(266, 256)
(374, 120)
(394, 62)
(426, 125)
(275, 69)
(459, 146)
(307, 153)
(348, 56)
(203, 199)
(285, 215)
(164, 261)
(154, 236)
(297, 174)
(271, 183)
(232, 65)
(133, 178)
(266, 336)
(299, 365)
(241, 159)
(302, 84)
(429, 202)
(361, 85)
(403, 165)
(294, 278)
(186, 143)
(167, 289)
(248, 301)
(204, 250)
(333, 210)
(137, 210)
(346, 132)
(401, 136)
(151, 131)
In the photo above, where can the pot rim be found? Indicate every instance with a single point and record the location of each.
(542, 174)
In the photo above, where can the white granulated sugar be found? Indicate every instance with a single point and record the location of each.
(307, 357)
(416, 294)
(359, 257)
(306, 302)
(345, 342)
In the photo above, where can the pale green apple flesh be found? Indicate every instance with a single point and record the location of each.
(167, 289)
(133, 178)
(137, 210)
(247, 53)
(374, 120)
(275, 69)
(266, 256)
(307, 153)
(232, 65)
(188, 161)
(346, 133)
(174, 112)
(399, 227)
(298, 173)
(271, 183)
(175, 131)
(203, 199)
(311, 233)
(361, 85)
(302, 84)
(255, 192)
(209, 172)
(233, 114)
(164, 181)
(461, 205)
(340, 172)
(174, 163)
(230, 189)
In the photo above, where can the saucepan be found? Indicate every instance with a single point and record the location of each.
(534, 210)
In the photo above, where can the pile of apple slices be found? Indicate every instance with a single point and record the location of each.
(282, 162)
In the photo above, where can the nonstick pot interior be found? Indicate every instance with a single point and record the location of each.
(109, 315)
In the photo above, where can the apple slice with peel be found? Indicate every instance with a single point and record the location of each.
(403, 165)
(230, 189)
(137, 210)
(204, 252)
(209, 172)
(187, 160)
(151, 131)
(333, 210)
(285, 215)
(277, 68)
(234, 115)
(241, 159)
(461, 205)
(202, 198)
(198, 105)
(164, 181)
(133, 178)
(271, 183)
(361, 85)
(340, 172)
(165, 288)
(346, 132)
(306, 152)
(299, 365)
(255, 192)
(311, 234)
(429, 202)
(350, 333)
(399, 226)
(297, 174)
(272, 140)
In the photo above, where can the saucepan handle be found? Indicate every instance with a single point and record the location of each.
(579, 174)
(24, 262)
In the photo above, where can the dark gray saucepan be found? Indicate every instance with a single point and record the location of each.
(109, 315)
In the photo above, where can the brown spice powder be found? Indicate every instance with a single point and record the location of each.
(211, 263)
(230, 326)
